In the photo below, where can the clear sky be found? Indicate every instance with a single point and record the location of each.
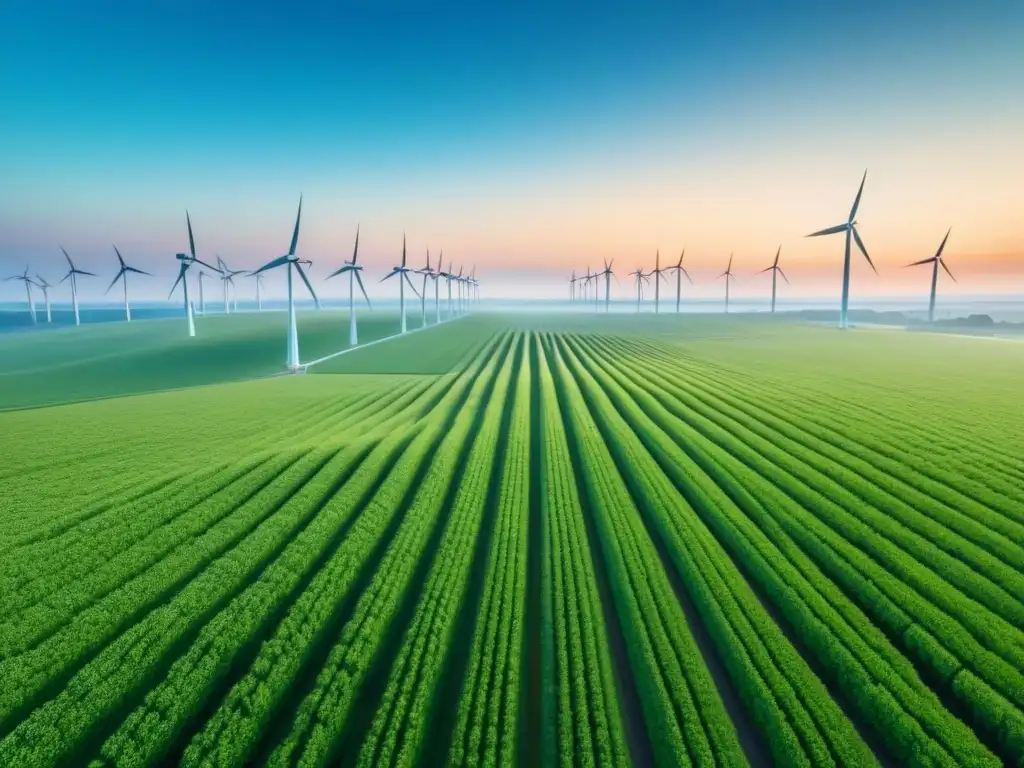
(527, 138)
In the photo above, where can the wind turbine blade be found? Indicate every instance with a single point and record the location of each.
(783, 274)
(338, 271)
(409, 281)
(308, 285)
(69, 274)
(830, 231)
(181, 274)
(777, 257)
(938, 253)
(922, 261)
(766, 269)
(687, 275)
(355, 249)
(361, 288)
(295, 233)
(856, 201)
(119, 257)
(729, 268)
(272, 265)
(83, 272)
(860, 244)
(70, 262)
(191, 240)
(392, 273)
(113, 282)
(136, 271)
(199, 261)
(403, 249)
(947, 270)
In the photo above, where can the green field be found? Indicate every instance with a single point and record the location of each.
(523, 540)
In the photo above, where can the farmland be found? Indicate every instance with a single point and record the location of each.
(533, 540)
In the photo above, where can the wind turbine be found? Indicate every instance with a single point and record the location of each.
(202, 297)
(448, 276)
(437, 289)
(658, 275)
(403, 277)
(936, 261)
(776, 270)
(608, 275)
(45, 288)
(353, 270)
(850, 228)
(428, 274)
(474, 285)
(122, 275)
(728, 275)
(640, 277)
(680, 271)
(186, 260)
(259, 292)
(572, 286)
(291, 262)
(227, 279)
(72, 275)
(460, 287)
(28, 292)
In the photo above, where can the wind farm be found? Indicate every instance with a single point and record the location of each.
(582, 508)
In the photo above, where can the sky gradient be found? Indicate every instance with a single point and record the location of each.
(529, 140)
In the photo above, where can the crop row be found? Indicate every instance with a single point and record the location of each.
(486, 722)
(803, 725)
(756, 521)
(218, 655)
(236, 728)
(123, 640)
(685, 716)
(958, 646)
(580, 718)
(399, 728)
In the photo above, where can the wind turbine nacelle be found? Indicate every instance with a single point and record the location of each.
(182, 257)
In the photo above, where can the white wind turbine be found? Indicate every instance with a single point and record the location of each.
(428, 274)
(659, 274)
(186, 260)
(850, 228)
(291, 262)
(202, 297)
(680, 271)
(228, 280)
(608, 275)
(354, 277)
(259, 292)
(640, 278)
(936, 261)
(28, 292)
(403, 277)
(45, 288)
(122, 275)
(728, 275)
(776, 270)
(437, 292)
(72, 275)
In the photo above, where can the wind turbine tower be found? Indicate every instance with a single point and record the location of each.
(936, 261)
(122, 275)
(680, 271)
(428, 274)
(728, 275)
(72, 275)
(608, 275)
(403, 277)
(850, 228)
(45, 288)
(658, 276)
(28, 292)
(185, 261)
(640, 278)
(353, 269)
(202, 297)
(291, 262)
(776, 270)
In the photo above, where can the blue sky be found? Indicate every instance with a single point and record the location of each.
(526, 138)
